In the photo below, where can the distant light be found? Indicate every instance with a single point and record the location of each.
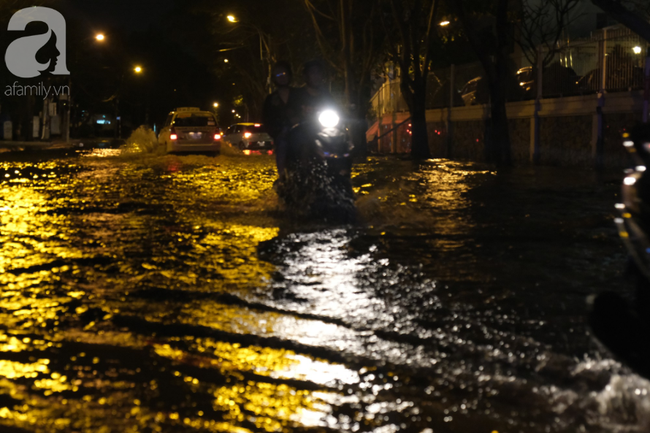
(225, 60)
(629, 180)
(628, 143)
(232, 18)
(100, 37)
(233, 111)
(522, 84)
(217, 137)
(620, 206)
(640, 168)
(215, 105)
(637, 50)
(138, 69)
(247, 152)
(444, 23)
(173, 137)
(247, 135)
(257, 125)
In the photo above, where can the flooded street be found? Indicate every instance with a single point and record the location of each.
(144, 293)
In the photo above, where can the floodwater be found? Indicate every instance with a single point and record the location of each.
(145, 293)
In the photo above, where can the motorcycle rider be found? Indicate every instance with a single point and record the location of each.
(304, 105)
(275, 113)
(306, 100)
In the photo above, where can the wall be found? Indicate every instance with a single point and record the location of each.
(568, 130)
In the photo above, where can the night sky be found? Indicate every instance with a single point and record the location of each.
(133, 15)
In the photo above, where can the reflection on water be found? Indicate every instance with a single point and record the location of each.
(163, 294)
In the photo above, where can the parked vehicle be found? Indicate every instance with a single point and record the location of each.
(189, 129)
(475, 92)
(249, 136)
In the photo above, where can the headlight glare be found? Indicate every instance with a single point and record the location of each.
(329, 118)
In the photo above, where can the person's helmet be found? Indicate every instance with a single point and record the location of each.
(313, 64)
(283, 66)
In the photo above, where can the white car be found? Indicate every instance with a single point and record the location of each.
(189, 129)
(249, 136)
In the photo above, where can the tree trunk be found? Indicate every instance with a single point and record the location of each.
(498, 143)
(420, 137)
(500, 140)
(497, 140)
(358, 128)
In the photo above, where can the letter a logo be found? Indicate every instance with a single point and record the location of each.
(30, 56)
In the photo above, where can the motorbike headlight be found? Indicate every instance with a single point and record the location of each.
(329, 118)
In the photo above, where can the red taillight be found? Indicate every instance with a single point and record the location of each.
(173, 137)
(247, 135)
(217, 137)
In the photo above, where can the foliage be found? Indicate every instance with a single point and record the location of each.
(543, 24)
(410, 29)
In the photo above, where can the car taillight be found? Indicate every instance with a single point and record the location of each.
(173, 137)
(247, 135)
(217, 137)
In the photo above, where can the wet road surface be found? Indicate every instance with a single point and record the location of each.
(148, 293)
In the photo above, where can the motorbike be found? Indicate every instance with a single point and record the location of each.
(316, 182)
(623, 328)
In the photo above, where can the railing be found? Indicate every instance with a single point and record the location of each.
(610, 61)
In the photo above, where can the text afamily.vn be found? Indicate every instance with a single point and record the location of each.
(39, 89)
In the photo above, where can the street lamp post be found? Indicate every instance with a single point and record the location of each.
(99, 37)
(265, 42)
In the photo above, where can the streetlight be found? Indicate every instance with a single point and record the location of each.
(137, 69)
(265, 41)
(99, 37)
(225, 60)
(215, 105)
(637, 50)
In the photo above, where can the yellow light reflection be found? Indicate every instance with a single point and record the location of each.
(13, 370)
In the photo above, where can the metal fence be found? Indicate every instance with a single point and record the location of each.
(612, 60)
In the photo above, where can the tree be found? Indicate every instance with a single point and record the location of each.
(486, 26)
(348, 37)
(256, 35)
(410, 30)
(543, 24)
(628, 16)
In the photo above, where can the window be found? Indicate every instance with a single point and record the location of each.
(194, 120)
(255, 129)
